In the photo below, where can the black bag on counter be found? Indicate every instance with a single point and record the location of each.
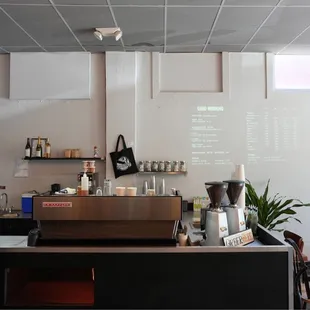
(123, 161)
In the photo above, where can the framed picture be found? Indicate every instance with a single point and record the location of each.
(34, 142)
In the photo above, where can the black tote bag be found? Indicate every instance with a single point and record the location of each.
(123, 161)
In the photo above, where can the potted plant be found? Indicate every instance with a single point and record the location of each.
(272, 211)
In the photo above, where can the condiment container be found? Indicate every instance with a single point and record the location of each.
(176, 166)
(161, 166)
(155, 166)
(168, 166)
(148, 166)
(84, 185)
(120, 191)
(141, 166)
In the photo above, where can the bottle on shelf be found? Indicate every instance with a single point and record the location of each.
(39, 148)
(28, 149)
(96, 152)
(48, 149)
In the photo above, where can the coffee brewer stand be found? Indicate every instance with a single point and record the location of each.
(235, 214)
(216, 218)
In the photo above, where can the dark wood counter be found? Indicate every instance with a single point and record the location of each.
(256, 277)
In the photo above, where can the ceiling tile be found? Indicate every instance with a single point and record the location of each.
(303, 39)
(223, 48)
(252, 2)
(283, 26)
(102, 48)
(137, 2)
(64, 48)
(141, 25)
(80, 2)
(42, 23)
(83, 28)
(185, 49)
(145, 48)
(295, 2)
(13, 49)
(296, 50)
(189, 26)
(268, 48)
(25, 2)
(237, 25)
(11, 34)
(194, 2)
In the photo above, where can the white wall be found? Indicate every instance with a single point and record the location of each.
(163, 120)
(68, 124)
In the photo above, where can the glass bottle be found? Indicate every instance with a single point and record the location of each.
(39, 148)
(27, 149)
(48, 149)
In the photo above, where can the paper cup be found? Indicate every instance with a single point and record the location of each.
(183, 240)
(120, 191)
(131, 191)
(150, 192)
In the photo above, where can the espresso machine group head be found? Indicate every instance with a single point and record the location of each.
(235, 214)
(216, 219)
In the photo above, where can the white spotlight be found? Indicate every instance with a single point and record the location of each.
(98, 35)
(118, 34)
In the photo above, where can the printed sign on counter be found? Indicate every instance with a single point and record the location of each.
(239, 239)
(56, 204)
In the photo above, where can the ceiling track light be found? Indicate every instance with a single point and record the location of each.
(100, 33)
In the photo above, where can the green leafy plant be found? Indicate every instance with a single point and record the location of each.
(272, 211)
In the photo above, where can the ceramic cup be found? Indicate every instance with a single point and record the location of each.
(120, 191)
(131, 191)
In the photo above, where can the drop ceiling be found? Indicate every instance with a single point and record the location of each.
(197, 26)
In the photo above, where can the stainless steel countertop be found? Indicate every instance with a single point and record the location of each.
(18, 244)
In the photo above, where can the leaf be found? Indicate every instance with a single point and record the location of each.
(271, 209)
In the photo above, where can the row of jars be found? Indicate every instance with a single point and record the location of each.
(162, 166)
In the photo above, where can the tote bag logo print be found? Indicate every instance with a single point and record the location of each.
(123, 164)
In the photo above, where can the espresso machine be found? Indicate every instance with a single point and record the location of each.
(235, 214)
(216, 226)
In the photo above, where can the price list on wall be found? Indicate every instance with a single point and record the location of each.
(207, 136)
(271, 135)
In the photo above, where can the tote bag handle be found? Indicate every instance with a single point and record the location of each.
(118, 140)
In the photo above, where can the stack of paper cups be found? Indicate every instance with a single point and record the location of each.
(240, 175)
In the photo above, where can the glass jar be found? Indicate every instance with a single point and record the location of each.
(168, 166)
(155, 165)
(176, 166)
(161, 166)
(183, 166)
(141, 166)
(148, 166)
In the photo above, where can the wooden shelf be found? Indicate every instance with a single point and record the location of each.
(65, 159)
(164, 172)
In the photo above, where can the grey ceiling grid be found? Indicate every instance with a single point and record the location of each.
(197, 26)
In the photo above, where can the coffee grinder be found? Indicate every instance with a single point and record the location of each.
(235, 214)
(216, 221)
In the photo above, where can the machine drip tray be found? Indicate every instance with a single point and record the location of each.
(107, 242)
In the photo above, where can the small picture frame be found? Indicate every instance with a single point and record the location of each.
(34, 142)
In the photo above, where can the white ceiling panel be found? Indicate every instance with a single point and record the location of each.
(194, 2)
(251, 2)
(295, 2)
(141, 25)
(283, 26)
(223, 48)
(185, 49)
(296, 50)
(237, 25)
(268, 48)
(189, 26)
